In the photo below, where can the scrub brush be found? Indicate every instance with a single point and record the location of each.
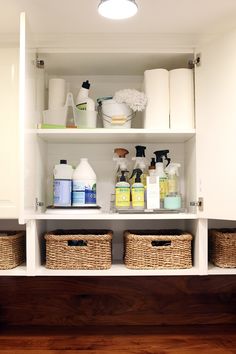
(136, 100)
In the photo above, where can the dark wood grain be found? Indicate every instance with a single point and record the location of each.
(126, 339)
(76, 301)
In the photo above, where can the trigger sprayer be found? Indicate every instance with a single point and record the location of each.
(173, 198)
(172, 171)
(121, 163)
(141, 163)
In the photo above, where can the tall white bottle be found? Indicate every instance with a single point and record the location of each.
(83, 101)
(84, 185)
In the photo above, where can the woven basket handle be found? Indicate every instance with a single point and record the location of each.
(161, 244)
(77, 243)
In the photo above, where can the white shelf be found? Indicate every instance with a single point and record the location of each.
(20, 270)
(110, 136)
(110, 216)
(213, 270)
(117, 270)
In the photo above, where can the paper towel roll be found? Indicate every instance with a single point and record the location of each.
(156, 87)
(56, 93)
(181, 99)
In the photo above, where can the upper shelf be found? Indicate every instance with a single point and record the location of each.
(67, 63)
(108, 136)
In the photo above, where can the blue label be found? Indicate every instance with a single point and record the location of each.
(83, 194)
(90, 196)
(62, 192)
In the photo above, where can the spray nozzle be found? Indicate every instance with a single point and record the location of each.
(123, 178)
(140, 151)
(162, 155)
(121, 152)
(137, 173)
(173, 169)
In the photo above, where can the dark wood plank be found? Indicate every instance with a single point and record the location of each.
(75, 301)
(128, 340)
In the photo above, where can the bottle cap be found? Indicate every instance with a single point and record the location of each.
(153, 164)
(140, 151)
(63, 162)
(121, 152)
(122, 178)
(86, 84)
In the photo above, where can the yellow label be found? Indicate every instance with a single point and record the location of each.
(122, 197)
(163, 187)
(138, 196)
(172, 186)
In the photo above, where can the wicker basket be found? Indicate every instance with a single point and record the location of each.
(78, 249)
(222, 247)
(12, 249)
(159, 249)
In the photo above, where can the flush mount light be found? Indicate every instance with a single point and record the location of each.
(117, 9)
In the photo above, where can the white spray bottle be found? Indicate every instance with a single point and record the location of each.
(173, 198)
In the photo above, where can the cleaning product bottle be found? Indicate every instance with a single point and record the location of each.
(137, 190)
(83, 101)
(152, 167)
(173, 198)
(122, 193)
(62, 184)
(84, 185)
(160, 172)
(122, 163)
(141, 163)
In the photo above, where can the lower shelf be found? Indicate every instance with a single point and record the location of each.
(124, 339)
(20, 270)
(220, 271)
(117, 270)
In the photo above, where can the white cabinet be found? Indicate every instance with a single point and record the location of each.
(9, 100)
(206, 154)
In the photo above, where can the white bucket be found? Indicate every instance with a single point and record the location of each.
(116, 115)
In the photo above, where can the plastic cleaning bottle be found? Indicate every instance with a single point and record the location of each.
(121, 163)
(160, 172)
(141, 163)
(83, 101)
(137, 190)
(84, 185)
(62, 184)
(173, 198)
(122, 193)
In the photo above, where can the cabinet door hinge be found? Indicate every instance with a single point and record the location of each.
(38, 204)
(195, 62)
(39, 63)
(198, 204)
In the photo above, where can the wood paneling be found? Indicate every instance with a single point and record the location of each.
(126, 339)
(75, 301)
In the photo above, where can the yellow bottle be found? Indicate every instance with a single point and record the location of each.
(122, 193)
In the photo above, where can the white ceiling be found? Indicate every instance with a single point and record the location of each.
(154, 16)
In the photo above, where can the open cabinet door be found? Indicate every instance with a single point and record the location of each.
(216, 128)
(27, 166)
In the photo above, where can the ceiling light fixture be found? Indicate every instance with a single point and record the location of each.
(117, 9)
